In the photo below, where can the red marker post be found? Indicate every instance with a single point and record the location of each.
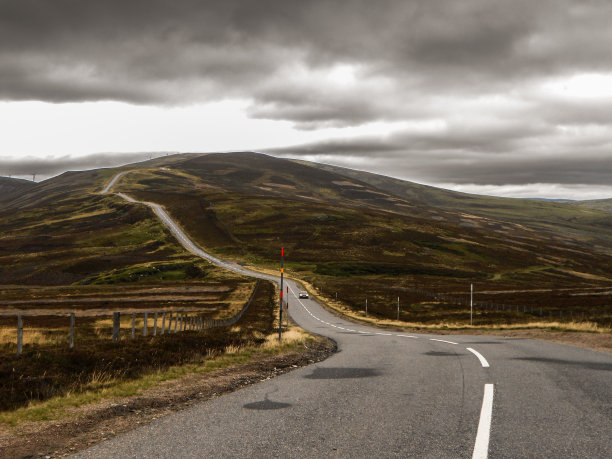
(280, 307)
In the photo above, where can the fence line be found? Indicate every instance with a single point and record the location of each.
(183, 321)
(485, 306)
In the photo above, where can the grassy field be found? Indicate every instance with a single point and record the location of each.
(48, 368)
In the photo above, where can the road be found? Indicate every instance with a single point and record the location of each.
(390, 394)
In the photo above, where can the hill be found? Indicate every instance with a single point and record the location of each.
(11, 188)
(604, 205)
(583, 220)
(340, 228)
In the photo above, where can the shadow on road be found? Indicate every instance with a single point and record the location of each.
(440, 354)
(266, 404)
(587, 365)
(343, 373)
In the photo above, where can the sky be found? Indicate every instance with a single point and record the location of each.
(510, 98)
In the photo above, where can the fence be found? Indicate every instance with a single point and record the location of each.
(484, 306)
(546, 313)
(171, 322)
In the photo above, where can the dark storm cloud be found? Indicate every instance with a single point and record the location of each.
(48, 167)
(477, 66)
(453, 157)
(179, 51)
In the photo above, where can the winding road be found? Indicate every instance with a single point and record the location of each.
(390, 394)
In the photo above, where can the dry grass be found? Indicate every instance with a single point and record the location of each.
(37, 336)
(101, 385)
(337, 306)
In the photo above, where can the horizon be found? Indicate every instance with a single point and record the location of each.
(488, 98)
(114, 161)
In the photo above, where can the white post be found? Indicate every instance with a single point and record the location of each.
(366, 307)
(471, 303)
(398, 308)
(155, 324)
(19, 334)
(71, 344)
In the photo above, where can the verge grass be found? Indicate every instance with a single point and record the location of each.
(102, 387)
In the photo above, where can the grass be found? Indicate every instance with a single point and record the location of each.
(102, 386)
(526, 323)
(46, 370)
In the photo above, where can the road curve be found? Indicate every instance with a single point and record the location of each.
(390, 394)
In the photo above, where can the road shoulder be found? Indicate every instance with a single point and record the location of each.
(97, 422)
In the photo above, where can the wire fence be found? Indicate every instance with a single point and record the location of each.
(405, 305)
(138, 324)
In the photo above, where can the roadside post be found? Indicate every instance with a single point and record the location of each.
(19, 334)
(280, 307)
(133, 325)
(71, 344)
(398, 308)
(366, 307)
(116, 326)
(471, 303)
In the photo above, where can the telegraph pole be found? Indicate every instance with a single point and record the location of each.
(280, 307)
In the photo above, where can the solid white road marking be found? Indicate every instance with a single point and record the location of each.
(442, 341)
(483, 361)
(481, 447)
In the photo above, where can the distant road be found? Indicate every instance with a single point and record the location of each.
(389, 394)
(114, 180)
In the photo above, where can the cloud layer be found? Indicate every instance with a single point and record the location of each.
(487, 92)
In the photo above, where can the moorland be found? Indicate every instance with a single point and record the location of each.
(351, 236)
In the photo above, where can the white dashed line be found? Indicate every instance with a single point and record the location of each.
(483, 361)
(407, 336)
(442, 341)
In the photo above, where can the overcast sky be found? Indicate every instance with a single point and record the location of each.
(488, 96)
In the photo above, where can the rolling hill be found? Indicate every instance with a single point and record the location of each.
(10, 188)
(340, 228)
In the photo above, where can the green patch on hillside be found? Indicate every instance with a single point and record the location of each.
(150, 272)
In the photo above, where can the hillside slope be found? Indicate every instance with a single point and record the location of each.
(596, 204)
(12, 187)
(586, 221)
(339, 230)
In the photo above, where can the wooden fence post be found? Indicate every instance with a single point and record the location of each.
(155, 324)
(144, 326)
(133, 325)
(116, 326)
(19, 334)
(71, 345)
(163, 328)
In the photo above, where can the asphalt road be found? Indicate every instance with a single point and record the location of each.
(389, 394)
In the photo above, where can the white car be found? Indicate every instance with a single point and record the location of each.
(303, 295)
